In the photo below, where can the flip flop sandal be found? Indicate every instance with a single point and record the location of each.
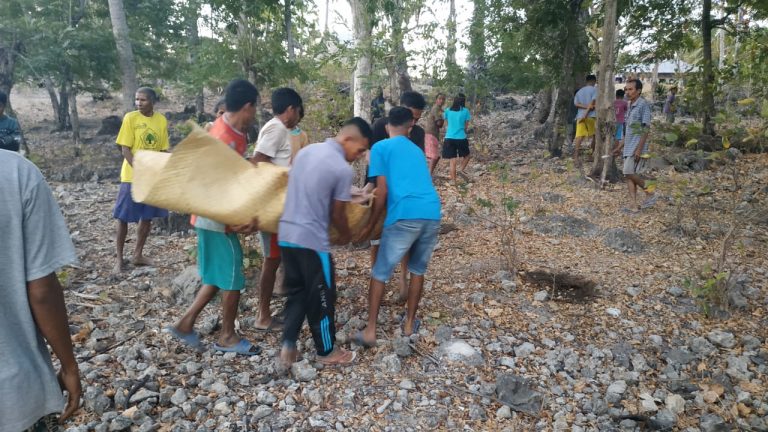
(244, 347)
(276, 325)
(358, 340)
(323, 360)
(416, 326)
(191, 340)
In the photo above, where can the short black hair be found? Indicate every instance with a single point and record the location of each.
(361, 125)
(149, 92)
(619, 93)
(459, 102)
(283, 98)
(413, 99)
(638, 84)
(399, 116)
(238, 94)
(591, 78)
(3, 98)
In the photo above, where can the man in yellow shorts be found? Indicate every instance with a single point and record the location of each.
(586, 115)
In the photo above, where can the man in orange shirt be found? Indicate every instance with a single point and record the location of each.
(220, 256)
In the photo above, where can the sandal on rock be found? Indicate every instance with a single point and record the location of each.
(244, 347)
(191, 340)
(346, 358)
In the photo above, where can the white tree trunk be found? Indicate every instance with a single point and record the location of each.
(361, 79)
(654, 81)
(450, 58)
(124, 52)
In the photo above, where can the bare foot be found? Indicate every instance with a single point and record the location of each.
(338, 357)
(119, 266)
(142, 261)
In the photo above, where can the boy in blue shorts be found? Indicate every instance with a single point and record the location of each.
(404, 186)
(219, 254)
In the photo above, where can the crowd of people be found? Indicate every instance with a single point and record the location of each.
(402, 159)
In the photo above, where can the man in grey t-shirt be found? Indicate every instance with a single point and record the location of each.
(318, 190)
(35, 243)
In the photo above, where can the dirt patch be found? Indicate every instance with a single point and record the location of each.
(562, 286)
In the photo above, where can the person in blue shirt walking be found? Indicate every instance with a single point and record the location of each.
(404, 186)
(456, 144)
(10, 132)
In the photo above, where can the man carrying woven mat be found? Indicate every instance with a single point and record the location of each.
(219, 254)
(318, 191)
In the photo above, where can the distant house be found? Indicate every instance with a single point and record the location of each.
(669, 70)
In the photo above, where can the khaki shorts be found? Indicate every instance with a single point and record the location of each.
(585, 127)
(632, 167)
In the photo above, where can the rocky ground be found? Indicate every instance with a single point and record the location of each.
(616, 341)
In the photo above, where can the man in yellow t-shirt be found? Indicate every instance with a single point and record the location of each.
(143, 129)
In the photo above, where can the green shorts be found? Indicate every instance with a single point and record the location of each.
(220, 259)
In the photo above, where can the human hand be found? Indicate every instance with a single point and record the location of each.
(637, 155)
(69, 380)
(248, 228)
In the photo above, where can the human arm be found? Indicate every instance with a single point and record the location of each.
(339, 221)
(127, 154)
(379, 205)
(46, 301)
(249, 228)
(271, 139)
(645, 125)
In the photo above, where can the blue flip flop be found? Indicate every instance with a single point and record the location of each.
(191, 340)
(416, 325)
(244, 347)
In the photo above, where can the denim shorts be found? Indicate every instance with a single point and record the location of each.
(417, 237)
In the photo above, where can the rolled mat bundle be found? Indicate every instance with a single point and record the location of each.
(203, 176)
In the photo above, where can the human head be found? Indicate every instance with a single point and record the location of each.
(354, 136)
(591, 79)
(459, 102)
(3, 102)
(440, 99)
(220, 108)
(414, 101)
(287, 106)
(379, 93)
(619, 94)
(400, 121)
(634, 88)
(673, 89)
(145, 100)
(240, 101)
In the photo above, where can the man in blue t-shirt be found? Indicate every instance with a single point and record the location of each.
(10, 132)
(412, 223)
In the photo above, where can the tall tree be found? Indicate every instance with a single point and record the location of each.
(477, 81)
(707, 95)
(450, 27)
(287, 18)
(124, 52)
(362, 21)
(399, 13)
(604, 166)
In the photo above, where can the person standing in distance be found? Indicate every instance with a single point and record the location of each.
(143, 129)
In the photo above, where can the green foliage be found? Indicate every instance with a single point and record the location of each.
(710, 289)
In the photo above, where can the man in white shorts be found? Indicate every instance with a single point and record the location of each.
(635, 145)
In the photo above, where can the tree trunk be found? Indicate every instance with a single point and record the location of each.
(363, 27)
(193, 44)
(327, 12)
(450, 52)
(49, 87)
(562, 98)
(75, 119)
(124, 52)
(399, 54)
(654, 80)
(8, 54)
(542, 106)
(289, 30)
(477, 64)
(62, 119)
(606, 115)
(707, 98)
